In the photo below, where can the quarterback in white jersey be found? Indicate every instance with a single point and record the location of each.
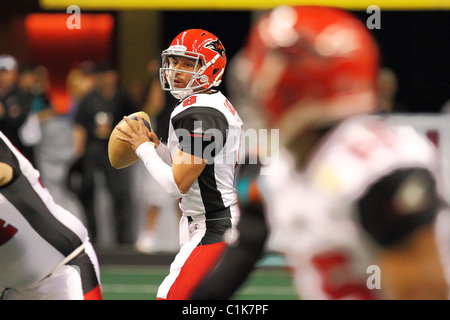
(352, 201)
(198, 164)
(45, 251)
(199, 121)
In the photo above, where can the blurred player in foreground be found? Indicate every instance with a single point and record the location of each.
(354, 202)
(45, 253)
(204, 141)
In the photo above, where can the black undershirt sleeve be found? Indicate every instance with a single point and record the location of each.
(398, 204)
(240, 256)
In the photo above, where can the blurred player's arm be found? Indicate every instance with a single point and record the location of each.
(6, 173)
(242, 253)
(399, 212)
(413, 270)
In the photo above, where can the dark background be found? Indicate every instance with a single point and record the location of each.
(414, 44)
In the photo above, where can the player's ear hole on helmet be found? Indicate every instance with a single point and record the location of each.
(215, 71)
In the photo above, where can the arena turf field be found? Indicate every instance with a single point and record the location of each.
(127, 277)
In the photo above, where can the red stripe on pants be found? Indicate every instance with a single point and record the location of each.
(199, 263)
(94, 294)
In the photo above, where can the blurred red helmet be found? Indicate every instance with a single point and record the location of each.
(299, 56)
(206, 49)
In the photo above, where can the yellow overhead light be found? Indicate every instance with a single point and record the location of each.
(241, 4)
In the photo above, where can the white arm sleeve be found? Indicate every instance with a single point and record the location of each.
(164, 153)
(160, 171)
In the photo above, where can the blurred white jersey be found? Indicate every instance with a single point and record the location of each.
(313, 215)
(36, 234)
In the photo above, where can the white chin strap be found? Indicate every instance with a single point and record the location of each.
(181, 94)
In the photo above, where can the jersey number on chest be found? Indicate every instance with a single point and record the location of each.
(7, 231)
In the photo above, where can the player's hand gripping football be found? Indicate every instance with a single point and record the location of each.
(137, 136)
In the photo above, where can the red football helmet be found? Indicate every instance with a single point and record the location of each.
(203, 47)
(307, 57)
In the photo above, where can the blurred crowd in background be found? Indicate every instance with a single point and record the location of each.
(70, 149)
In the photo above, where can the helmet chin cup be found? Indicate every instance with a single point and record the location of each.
(181, 94)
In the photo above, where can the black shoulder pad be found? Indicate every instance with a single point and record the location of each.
(398, 204)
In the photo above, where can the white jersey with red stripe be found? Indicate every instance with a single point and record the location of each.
(196, 122)
(313, 214)
(36, 234)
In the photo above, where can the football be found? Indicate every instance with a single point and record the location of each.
(120, 153)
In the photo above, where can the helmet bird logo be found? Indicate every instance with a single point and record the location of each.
(216, 46)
